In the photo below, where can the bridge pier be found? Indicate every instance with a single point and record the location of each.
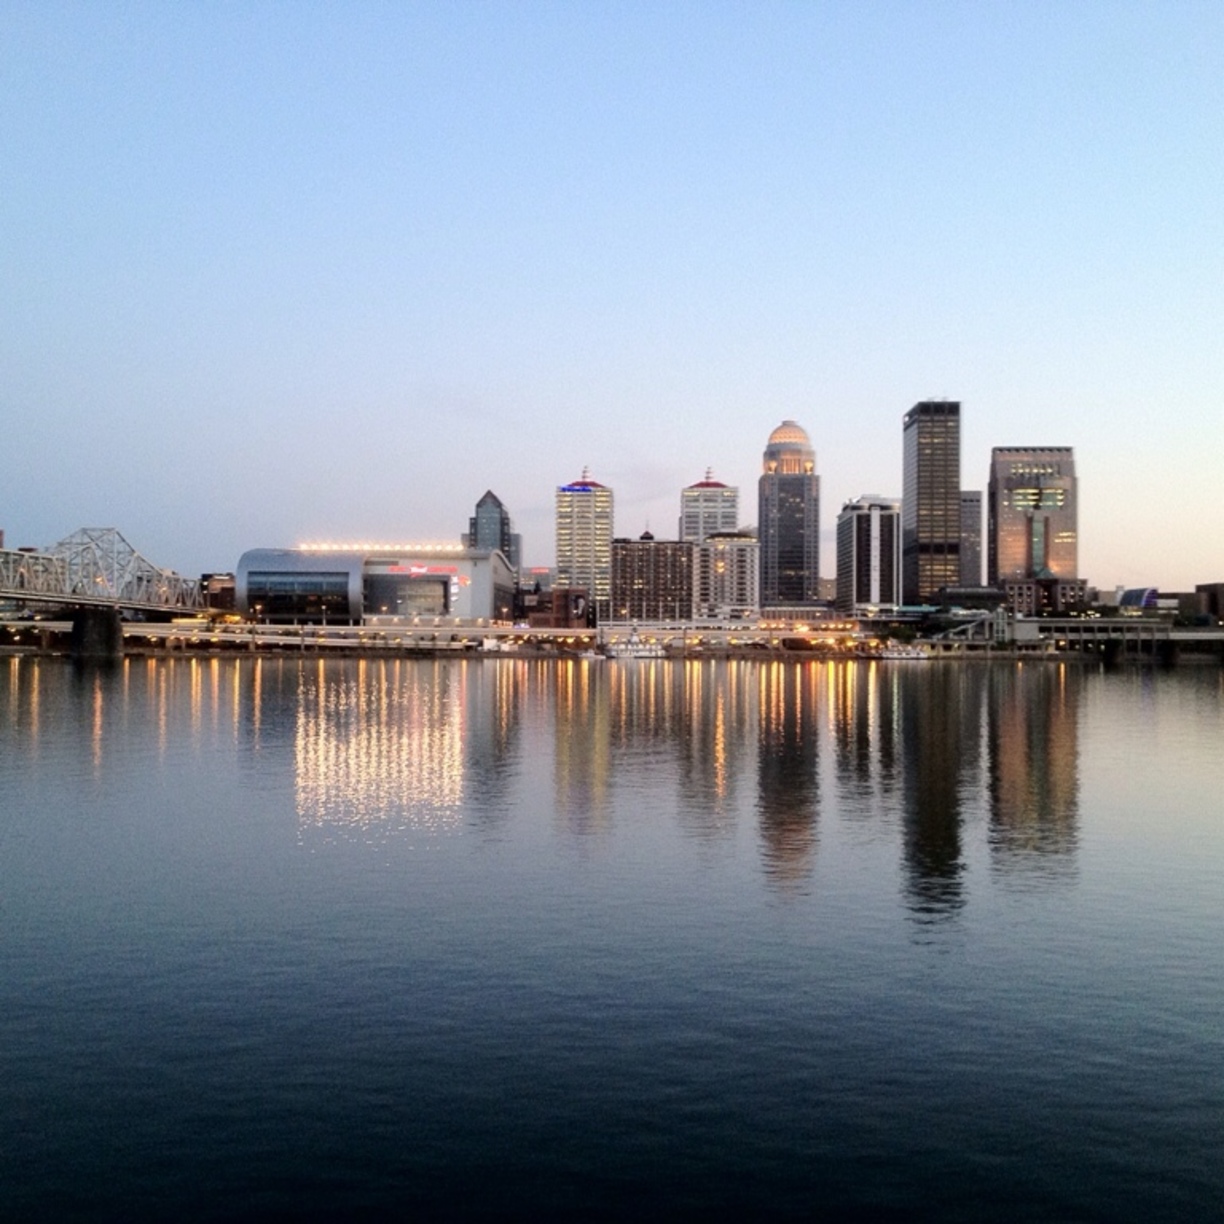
(97, 634)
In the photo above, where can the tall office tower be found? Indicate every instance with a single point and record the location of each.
(869, 554)
(706, 507)
(971, 538)
(789, 526)
(729, 575)
(1031, 514)
(652, 580)
(930, 500)
(584, 540)
(490, 528)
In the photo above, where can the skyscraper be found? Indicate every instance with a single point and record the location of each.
(869, 554)
(706, 507)
(930, 500)
(789, 526)
(1032, 512)
(971, 538)
(584, 540)
(490, 528)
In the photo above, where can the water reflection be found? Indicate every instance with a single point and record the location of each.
(940, 716)
(789, 698)
(715, 742)
(1034, 784)
(867, 737)
(941, 762)
(582, 761)
(376, 749)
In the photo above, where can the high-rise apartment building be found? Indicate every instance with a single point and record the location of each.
(729, 575)
(653, 580)
(584, 540)
(789, 524)
(1032, 514)
(869, 555)
(971, 538)
(490, 528)
(930, 500)
(706, 507)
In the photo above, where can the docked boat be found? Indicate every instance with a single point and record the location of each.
(635, 647)
(913, 653)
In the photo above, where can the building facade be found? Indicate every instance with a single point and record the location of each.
(869, 555)
(971, 538)
(584, 540)
(789, 523)
(490, 528)
(653, 580)
(343, 586)
(1032, 511)
(930, 500)
(707, 507)
(729, 576)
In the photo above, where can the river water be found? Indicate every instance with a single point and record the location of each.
(478, 938)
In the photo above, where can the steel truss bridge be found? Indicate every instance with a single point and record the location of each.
(95, 567)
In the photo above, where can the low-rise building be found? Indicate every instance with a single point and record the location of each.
(334, 584)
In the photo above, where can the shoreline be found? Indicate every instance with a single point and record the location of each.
(315, 651)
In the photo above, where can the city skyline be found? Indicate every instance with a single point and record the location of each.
(276, 276)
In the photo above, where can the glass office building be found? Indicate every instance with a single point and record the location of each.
(869, 555)
(930, 500)
(1032, 511)
(789, 524)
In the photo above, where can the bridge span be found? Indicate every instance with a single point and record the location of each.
(95, 567)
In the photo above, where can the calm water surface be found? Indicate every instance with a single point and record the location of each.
(629, 939)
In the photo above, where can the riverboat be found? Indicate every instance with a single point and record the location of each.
(912, 653)
(633, 647)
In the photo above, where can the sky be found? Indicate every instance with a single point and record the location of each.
(275, 273)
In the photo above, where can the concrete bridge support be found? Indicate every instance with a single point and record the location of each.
(97, 634)
(1168, 653)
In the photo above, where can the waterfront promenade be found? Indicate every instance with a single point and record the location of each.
(1091, 639)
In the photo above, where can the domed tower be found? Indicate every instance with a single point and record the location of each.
(789, 451)
(789, 524)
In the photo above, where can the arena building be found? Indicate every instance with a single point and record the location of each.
(373, 584)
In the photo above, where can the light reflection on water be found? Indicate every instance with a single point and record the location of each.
(882, 933)
(382, 747)
(385, 746)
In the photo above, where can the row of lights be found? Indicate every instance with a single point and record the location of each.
(369, 546)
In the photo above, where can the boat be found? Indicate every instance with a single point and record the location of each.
(633, 647)
(913, 653)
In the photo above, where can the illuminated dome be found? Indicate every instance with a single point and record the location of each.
(790, 434)
(789, 451)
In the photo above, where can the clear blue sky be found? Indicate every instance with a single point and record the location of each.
(279, 272)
